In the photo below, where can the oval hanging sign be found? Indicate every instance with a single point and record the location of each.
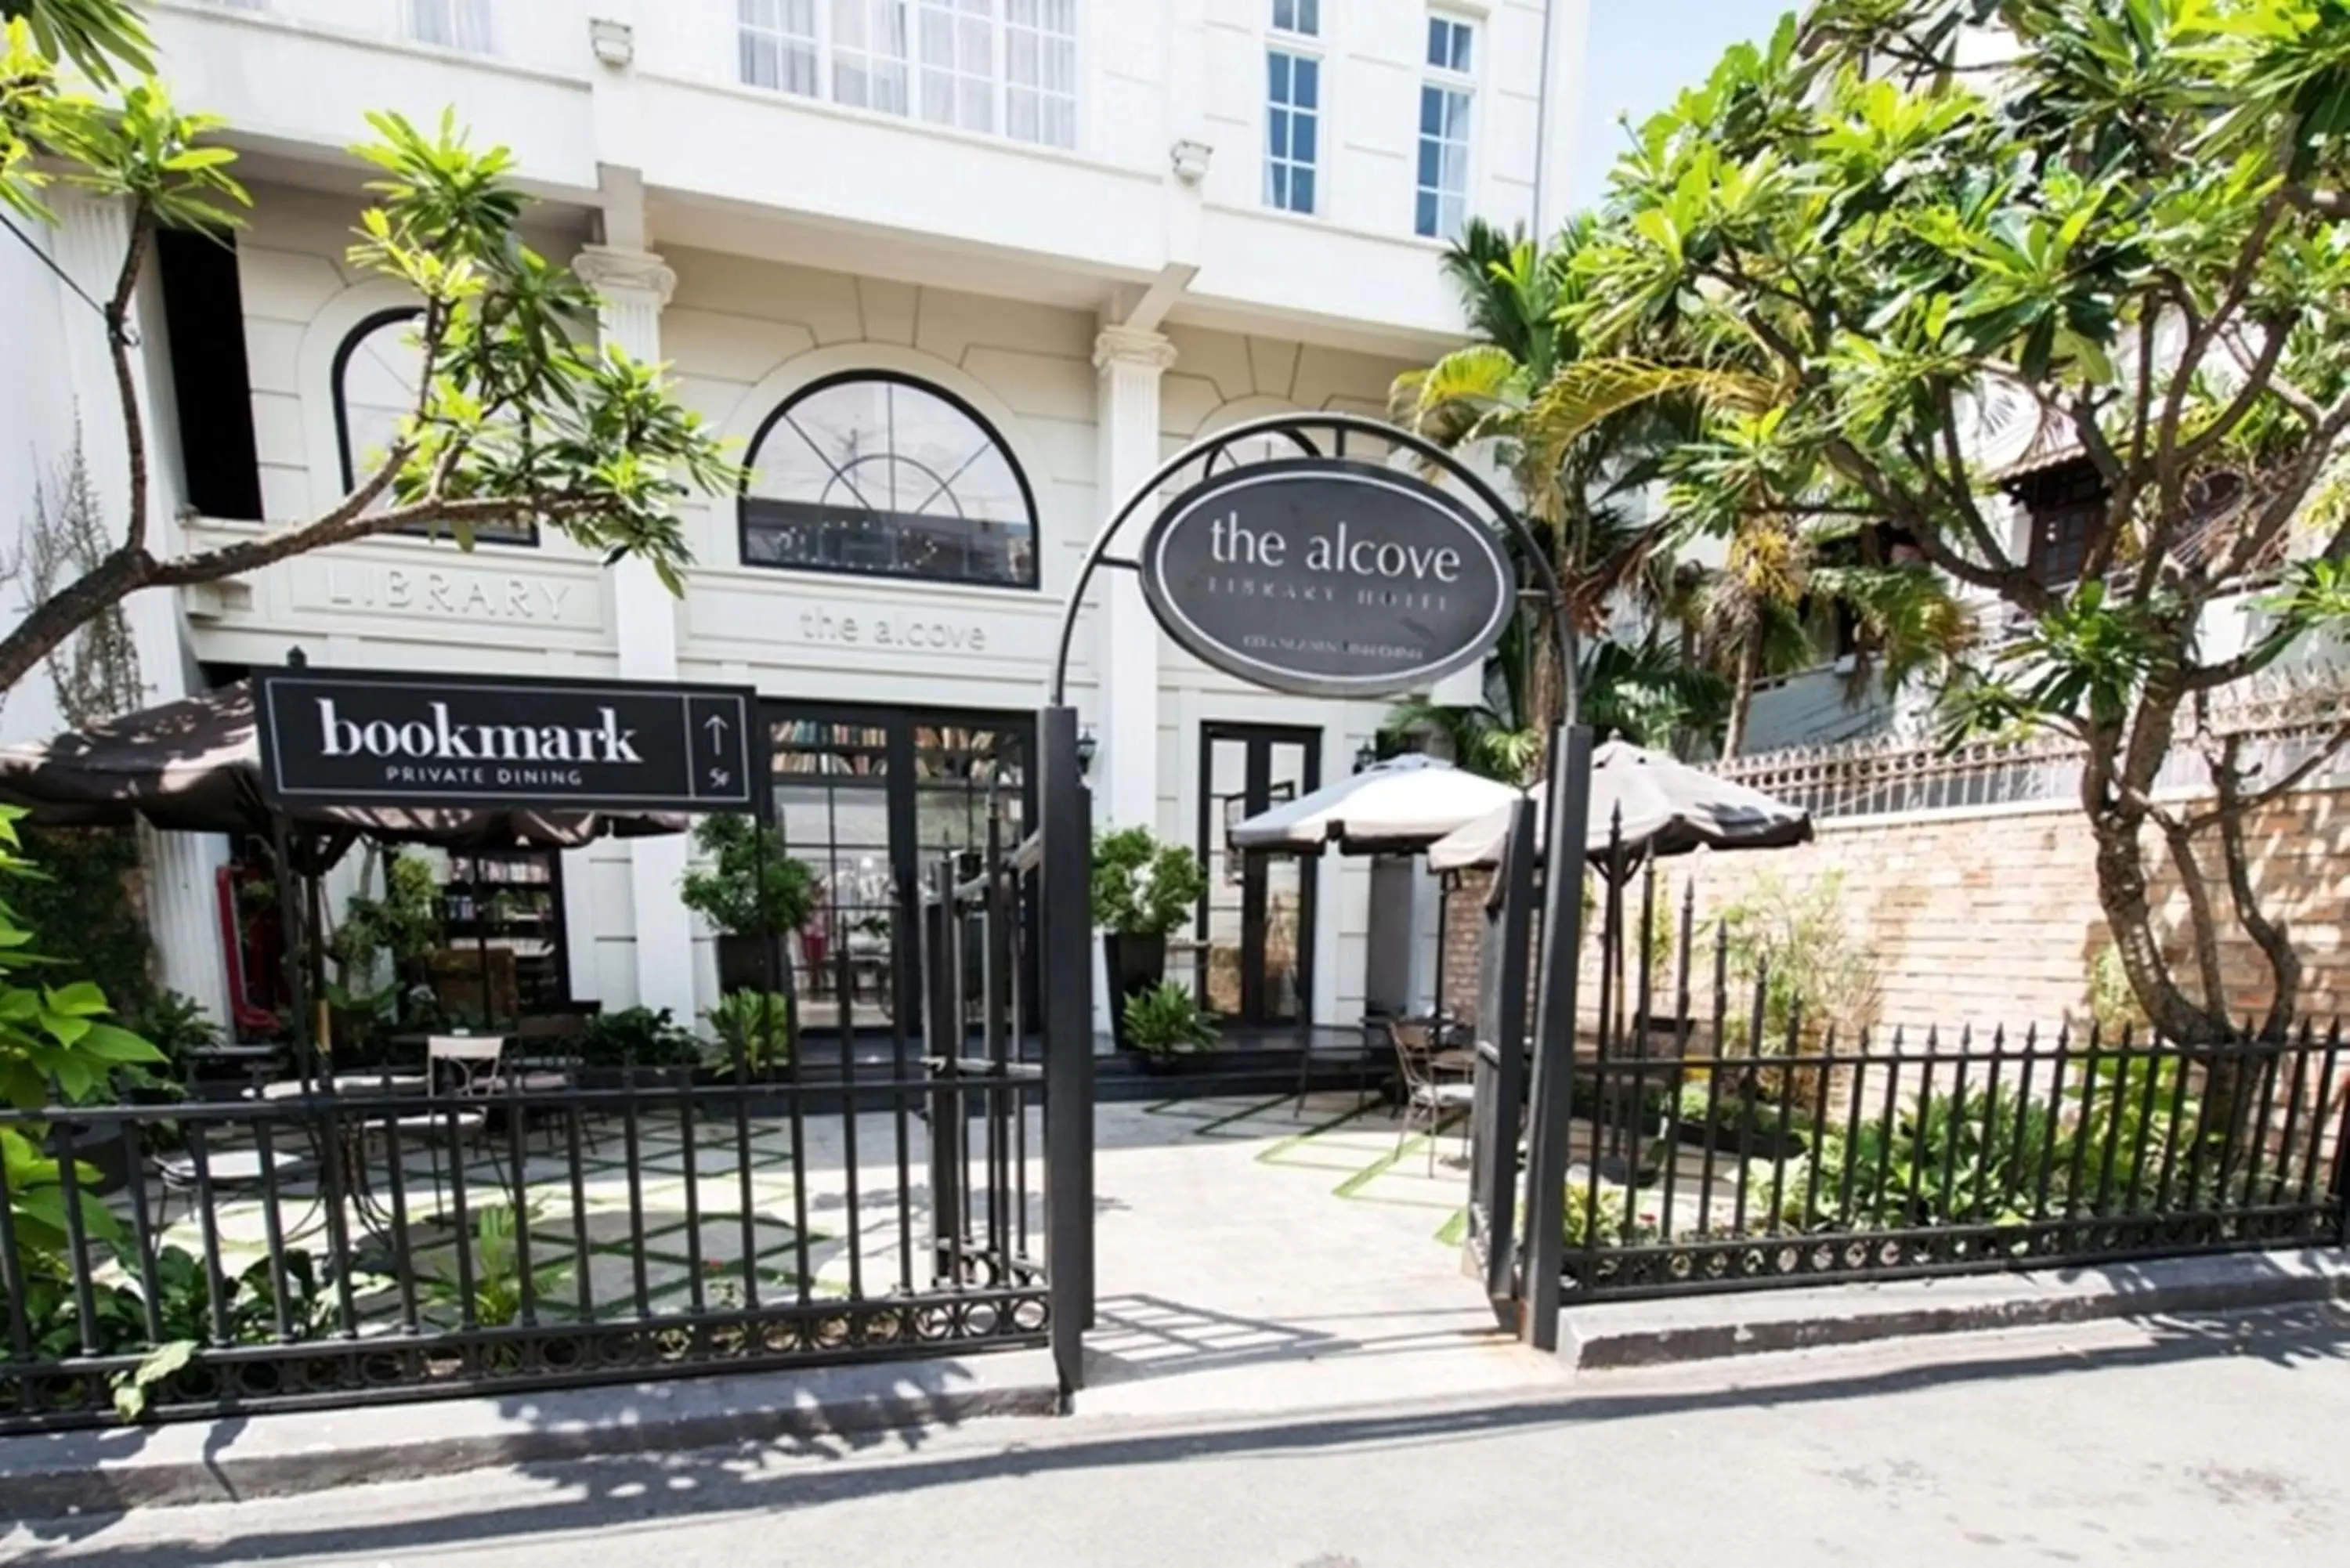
(1328, 577)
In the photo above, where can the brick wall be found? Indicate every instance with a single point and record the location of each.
(1992, 918)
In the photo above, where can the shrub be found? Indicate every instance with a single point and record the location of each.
(1142, 887)
(1165, 1022)
(1604, 1204)
(1817, 978)
(754, 1029)
(637, 1036)
(1993, 1147)
(727, 891)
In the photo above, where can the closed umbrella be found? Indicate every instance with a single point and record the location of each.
(1666, 807)
(1394, 807)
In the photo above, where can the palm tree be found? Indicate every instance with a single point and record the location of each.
(1575, 446)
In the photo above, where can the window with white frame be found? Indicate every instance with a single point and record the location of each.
(956, 45)
(1447, 95)
(452, 25)
(778, 44)
(985, 65)
(868, 54)
(1292, 106)
(1040, 71)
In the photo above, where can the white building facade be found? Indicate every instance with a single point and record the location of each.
(956, 275)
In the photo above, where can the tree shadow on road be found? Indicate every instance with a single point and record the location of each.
(777, 1475)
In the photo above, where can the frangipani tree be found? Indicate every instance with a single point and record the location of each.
(519, 418)
(2129, 213)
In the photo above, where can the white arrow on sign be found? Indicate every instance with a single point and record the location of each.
(717, 727)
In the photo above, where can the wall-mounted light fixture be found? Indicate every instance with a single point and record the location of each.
(1364, 755)
(615, 42)
(1190, 160)
(1086, 747)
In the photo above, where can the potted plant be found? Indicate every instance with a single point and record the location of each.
(750, 892)
(636, 1041)
(756, 1029)
(1142, 889)
(1163, 1024)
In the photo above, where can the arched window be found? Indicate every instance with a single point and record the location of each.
(883, 476)
(375, 382)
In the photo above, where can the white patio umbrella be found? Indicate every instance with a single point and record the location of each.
(1668, 806)
(1396, 806)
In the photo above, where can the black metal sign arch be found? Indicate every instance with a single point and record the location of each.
(1428, 521)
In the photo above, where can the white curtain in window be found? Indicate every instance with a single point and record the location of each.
(868, 54)
(452, 24)
(1040, 71)
(957, 46)
(778, 44)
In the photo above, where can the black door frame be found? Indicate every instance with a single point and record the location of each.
(898, 722)
(1256, 790)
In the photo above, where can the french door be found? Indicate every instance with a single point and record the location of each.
(1256, 927)
(870, 799)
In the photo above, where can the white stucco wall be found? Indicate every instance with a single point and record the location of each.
(742, 335)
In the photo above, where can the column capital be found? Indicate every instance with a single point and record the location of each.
(1132, 346)
(608, 271)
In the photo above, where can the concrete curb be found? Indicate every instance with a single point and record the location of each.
(1620, 1334)
(281, 1455)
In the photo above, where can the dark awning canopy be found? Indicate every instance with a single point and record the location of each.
(194, 766)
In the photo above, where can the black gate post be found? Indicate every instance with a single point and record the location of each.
(1502, 1054)
(943, 1022)
(1065, 967)
(1554, 1085)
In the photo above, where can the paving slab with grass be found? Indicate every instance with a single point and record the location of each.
(1252, 1252)
(1264, 1254)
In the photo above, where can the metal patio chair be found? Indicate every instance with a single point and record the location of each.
(1430, 1090)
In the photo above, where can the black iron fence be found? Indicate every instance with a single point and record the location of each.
(1739, 1143)
(1720, 1136)
(389, 1237)
(1722, 1167)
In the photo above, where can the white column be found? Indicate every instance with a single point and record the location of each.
(1131, 363)
(633, 287)
(92, 233)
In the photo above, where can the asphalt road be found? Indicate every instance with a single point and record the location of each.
(2210, 1443)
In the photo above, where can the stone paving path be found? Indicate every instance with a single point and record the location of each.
(1251, 1253)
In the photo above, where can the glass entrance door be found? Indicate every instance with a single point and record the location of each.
(1256, 925)
(869, 798)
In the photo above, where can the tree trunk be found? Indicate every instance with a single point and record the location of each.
(2122, 893)
(1742, 690)
(46, 628)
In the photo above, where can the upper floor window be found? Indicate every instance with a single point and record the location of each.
(375, 375)
(1298, 17)
(1292, 126)
(1447, 94)
(452, 23)
(777, 39)
(881, 476)
(946, 61)
(2064, 507)
(1040, 71)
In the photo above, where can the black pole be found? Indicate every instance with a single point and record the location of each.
(1553, 1083)
(1506, 1029)
(292, 960)
(1065, 925)
(480, 907)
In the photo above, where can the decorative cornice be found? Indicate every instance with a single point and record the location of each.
(1132, 346)
(608, 271)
